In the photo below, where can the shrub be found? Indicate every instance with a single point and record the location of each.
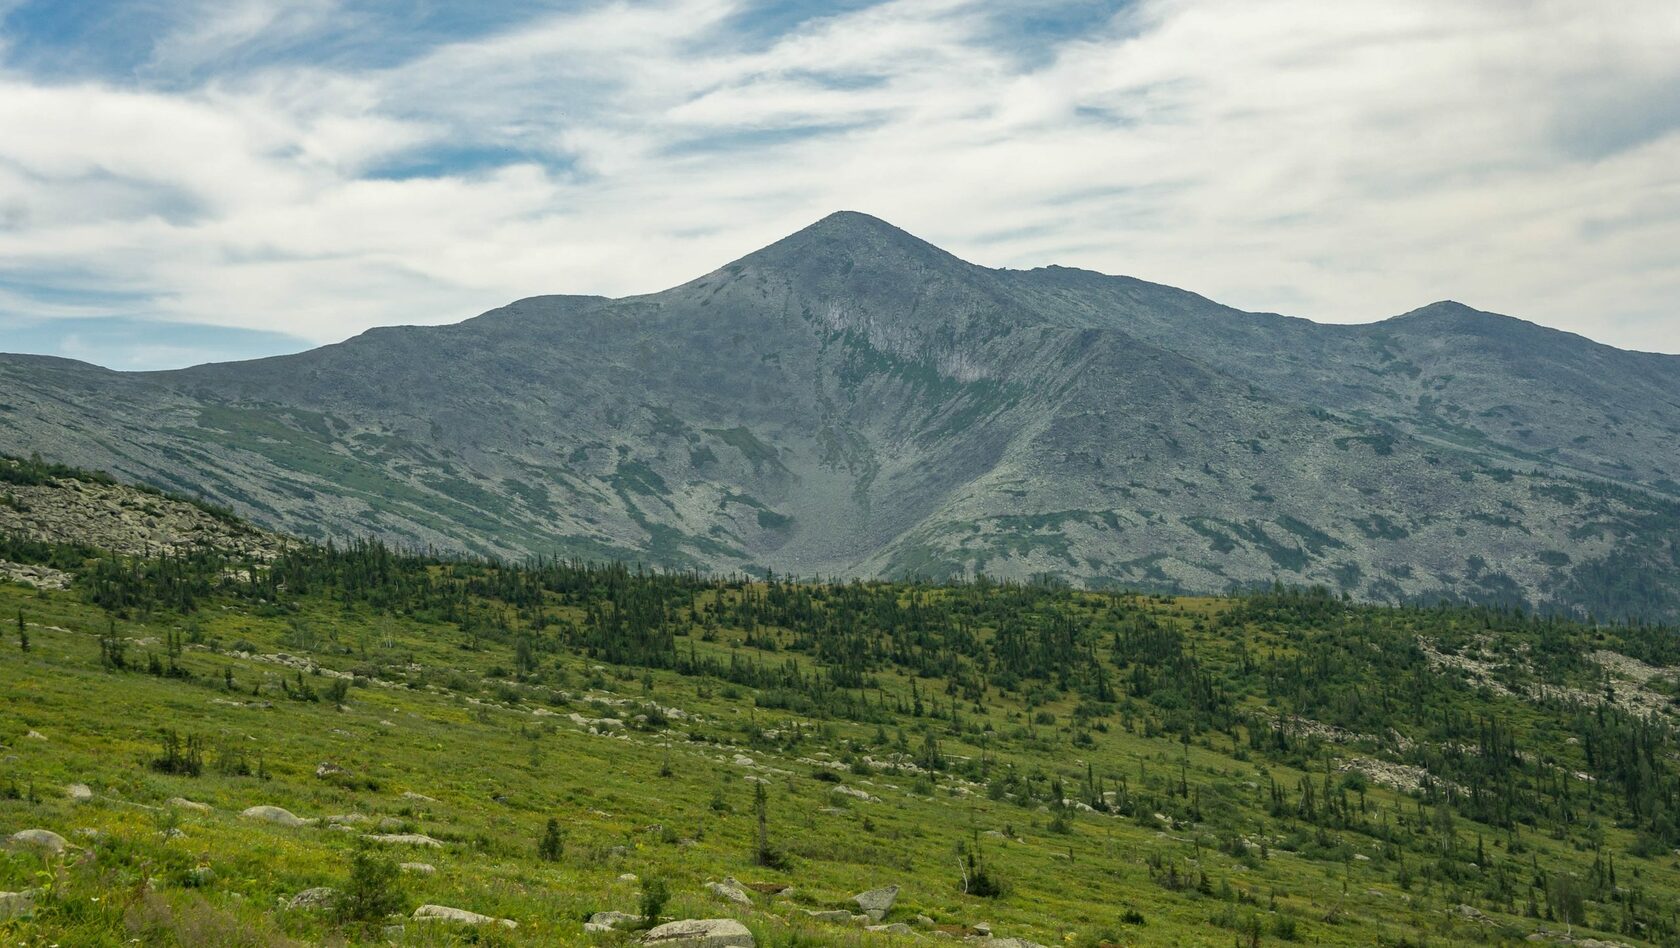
(374, 890)
(550, 848)
(655, 893)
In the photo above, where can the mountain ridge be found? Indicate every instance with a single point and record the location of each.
(852, 400)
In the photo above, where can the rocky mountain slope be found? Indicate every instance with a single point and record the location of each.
(852, 400)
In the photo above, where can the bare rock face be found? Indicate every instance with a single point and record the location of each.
(701, 933)
(854, 401)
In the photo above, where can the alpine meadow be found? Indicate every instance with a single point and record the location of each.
(909, 580)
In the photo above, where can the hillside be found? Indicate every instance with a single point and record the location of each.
(1029, 761)
(853, 401)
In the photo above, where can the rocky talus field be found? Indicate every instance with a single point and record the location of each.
(232, 739)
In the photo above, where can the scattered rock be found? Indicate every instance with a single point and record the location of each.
(896, 928)
(40, 840)
(447, 914)
(80, 792)
(609, 921)
(876, 903)
(200, 876)
(829, 915)
(320, 897)
(731, 890)
(182, 803)
(403, 839)
(16, 904)
(701, 933)
(273, 814)
(36, 736)
(417, 797)
(1004, 943)
(742, 760)
(422, 868)
(327, 768)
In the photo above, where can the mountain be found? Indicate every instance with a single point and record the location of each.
(854, 401)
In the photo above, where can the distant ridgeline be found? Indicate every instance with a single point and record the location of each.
(852, 401)
(1481, 770)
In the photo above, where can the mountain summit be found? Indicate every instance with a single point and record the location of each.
(852, 400)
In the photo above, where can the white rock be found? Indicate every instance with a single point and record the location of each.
(16, 904)
(80, 792)
(876, 903)
(701, 933)
(447, 914)
(423, 868)
(182, 803)
(273, 814)
(41, 840)
(731, 890)
(403, 839)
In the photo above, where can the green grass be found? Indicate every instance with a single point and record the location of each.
(438, 712)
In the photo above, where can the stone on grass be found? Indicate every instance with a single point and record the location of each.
(273, 814)
(701, 933)
(327, 768)
(446, 914)
(17, 904)
(423, 868)
(40, 840)
(417, 797)
(182, 803)
(314, 899)
(876, 903)
(895, 928)
(731, 890)
(403, 839)
(1004, 943)
(829, 915)
(609, 921)
(80, 792)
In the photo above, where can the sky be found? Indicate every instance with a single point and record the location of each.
(192, 180)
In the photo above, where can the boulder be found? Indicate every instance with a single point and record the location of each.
(446, 914)
(16, 904)
(327, 768)
(39, 840)
(422, 868)
(701, 933)
(80, 792)
(320, 897)
(876, 903)
(403, 839)
(609, 921)
(731, 890)
(830, 915)
(896, 928)
(273, 814)
(182, 803)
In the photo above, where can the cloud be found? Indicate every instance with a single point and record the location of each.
(1342, 162)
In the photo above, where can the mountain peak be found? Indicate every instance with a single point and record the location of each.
(849, 238)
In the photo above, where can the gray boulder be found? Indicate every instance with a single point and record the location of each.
(896, 928)
(320, 897)
(444, 913)
(731, 890)
(602, 922)
(182, 803)
(275, 815)
(40, 840)
(80, 792)
(701, 933)
(830, 915)
(403, 839)
(17, 904)
(876, 903)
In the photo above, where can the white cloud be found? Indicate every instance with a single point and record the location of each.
(1342, 162)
